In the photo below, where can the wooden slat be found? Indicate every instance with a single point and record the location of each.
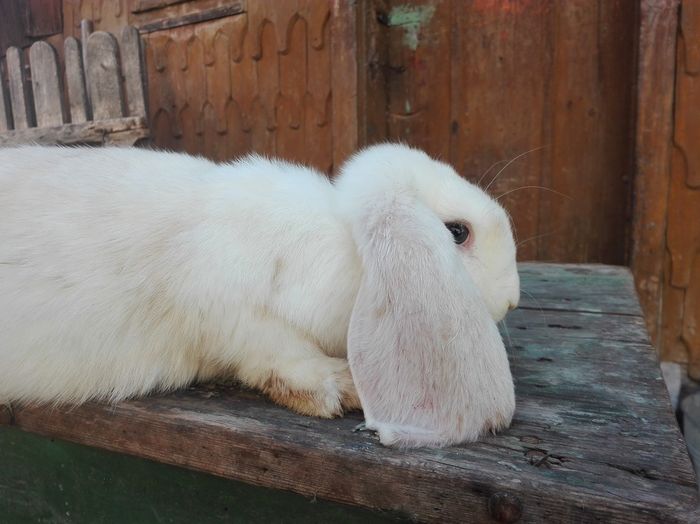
(104, 77)
(46, 85)
(120, 131)
(608, 289)
(20, 95)
(75, 81)
(593, 438)
(655, 84)
(86, 28)
(5, 114)
(344, 82)
(235, 8)
(134, 71)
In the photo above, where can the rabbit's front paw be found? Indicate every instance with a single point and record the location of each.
(319, 387)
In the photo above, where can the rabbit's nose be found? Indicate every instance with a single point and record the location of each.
(512, 306)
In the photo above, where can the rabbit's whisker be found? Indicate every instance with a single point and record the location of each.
(535, 237)
(509, 163)
(533, 187)
(539, 305)
(478, 182)
(505, 328)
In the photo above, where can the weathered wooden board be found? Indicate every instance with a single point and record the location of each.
(134, 71)
(20, 94)
(75, 81)
(118, 131)
(593, 436)
(580, 287)
(46, 85)
(48, 480)
(104, 77)
(5, 112)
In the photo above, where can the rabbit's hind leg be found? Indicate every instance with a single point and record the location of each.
(319, 386)
(294, 372)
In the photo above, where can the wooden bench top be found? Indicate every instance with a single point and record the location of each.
(593, 435)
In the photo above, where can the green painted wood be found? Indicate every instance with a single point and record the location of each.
(52, 481)
(593, 437)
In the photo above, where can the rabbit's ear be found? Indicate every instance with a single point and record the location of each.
(426, 357)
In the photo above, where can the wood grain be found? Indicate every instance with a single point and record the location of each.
(119, 131)
(43, 17)
(75, 81)
(655, 81)
(104, 76)
(593, 437)
(5, 111)
(480, 83)
(20, 94)
(46, 85)
(195, 17)
(134, 71)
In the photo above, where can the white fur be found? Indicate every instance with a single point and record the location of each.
(123, 271)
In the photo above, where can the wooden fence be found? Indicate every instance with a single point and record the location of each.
(98, 97)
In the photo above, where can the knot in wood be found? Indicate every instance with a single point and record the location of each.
(505, 507)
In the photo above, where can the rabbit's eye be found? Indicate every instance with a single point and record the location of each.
(459, 231)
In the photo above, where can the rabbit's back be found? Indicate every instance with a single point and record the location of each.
(126, 270)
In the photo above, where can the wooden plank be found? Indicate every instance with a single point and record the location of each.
(234, 8)
(134, 72)
(593, 436)
(20, 96)
(589, 288)
(344, 82)
(372, 81)
(75, 81)
(46, 85)
(5, 111)
(419, 74)
(120, 131)
(85, 30)
(655, 83)
(139, 6)
(590, 106)
(44, 477)
(43, 17)
(104, 76)
(293, 72)
(499, 57)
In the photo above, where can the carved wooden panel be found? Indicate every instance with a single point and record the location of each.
(260, 81)
(681, 296)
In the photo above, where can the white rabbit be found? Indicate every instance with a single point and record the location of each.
(124, 271)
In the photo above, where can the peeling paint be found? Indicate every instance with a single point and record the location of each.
(411, 18)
